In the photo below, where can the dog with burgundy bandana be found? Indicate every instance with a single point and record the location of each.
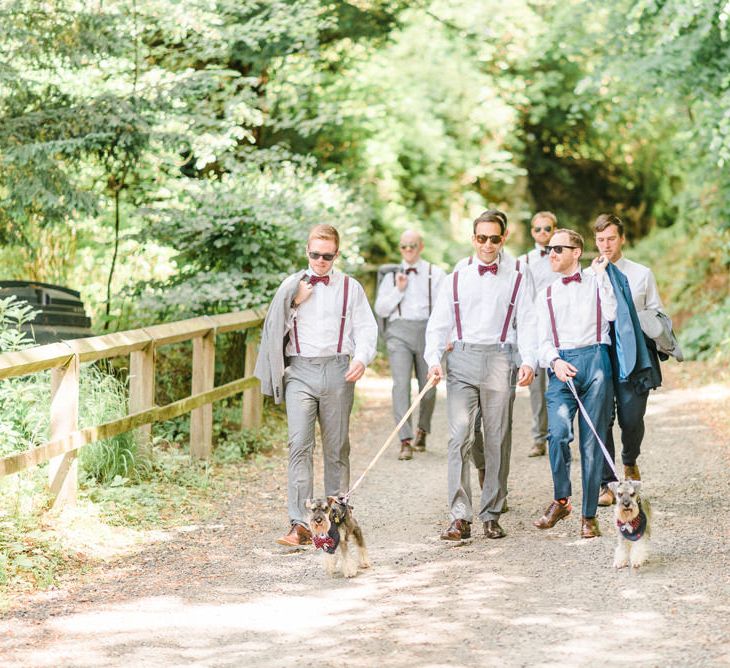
(336, 532)
(633, 517)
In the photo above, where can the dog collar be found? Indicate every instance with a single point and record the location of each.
(634, 529)
(328, 541)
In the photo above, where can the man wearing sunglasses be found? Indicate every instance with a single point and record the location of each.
(405, 299)
(631, 391)
(488, 308)
(574, 313)
(322, 320)
(542, 226)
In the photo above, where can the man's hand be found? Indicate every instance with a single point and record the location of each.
(564, 370)
(437, 372)
(525, 375)
(355, 372)
(304, 292)
(599, 265)
(401, 281)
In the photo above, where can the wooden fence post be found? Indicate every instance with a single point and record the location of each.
(253, 401)
(142, 390)
(63, 470)
(201, 419)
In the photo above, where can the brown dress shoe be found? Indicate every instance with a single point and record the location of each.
(297, 536)
(555, 512)
(538, 450)
(631, 472)
(406, 451)
(458, 530)
(419, 444)
(482, 473)
(589, 527)
(493, 530)
(606, 497)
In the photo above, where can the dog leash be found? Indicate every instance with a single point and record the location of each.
(587, 418)
(415, 403)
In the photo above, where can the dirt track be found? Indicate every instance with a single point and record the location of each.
(225, 595)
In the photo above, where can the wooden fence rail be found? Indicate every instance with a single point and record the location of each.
(64, 360)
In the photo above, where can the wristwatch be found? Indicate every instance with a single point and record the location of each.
(293, 302)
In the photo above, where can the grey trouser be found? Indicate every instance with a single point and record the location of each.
(315, 388)
(406, 341)
(479, 376)
(539, 408)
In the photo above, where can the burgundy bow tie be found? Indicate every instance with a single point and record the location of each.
(575, 277)
(411, 269)
(489, 268)
(543, 253)
(313, 280)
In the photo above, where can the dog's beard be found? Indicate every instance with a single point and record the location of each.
(624, 514)
(319, 526)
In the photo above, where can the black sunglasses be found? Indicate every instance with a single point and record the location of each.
(483, 238)
(408, 246)
(558, 249)
(327, 257)
(547, 228)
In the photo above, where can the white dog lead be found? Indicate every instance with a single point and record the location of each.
(587, 418)
(415, 403)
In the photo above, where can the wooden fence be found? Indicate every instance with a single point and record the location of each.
(64, 360)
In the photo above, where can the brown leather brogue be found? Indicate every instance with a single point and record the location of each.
(589, 527)
(555, 512)
(419, 444)
(458, 530)
(406, 451)
(631, 472)
(493, 530)
(606, 497)
(298, 536)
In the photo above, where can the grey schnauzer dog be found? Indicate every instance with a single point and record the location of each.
(633, 518)
(334, 530)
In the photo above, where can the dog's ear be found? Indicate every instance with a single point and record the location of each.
(331, 500)
(636, 484)
(308, 504)
(613, 486)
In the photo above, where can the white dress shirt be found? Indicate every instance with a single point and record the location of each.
(575, 309)
(318, 322)
(483, 305)
(414, 300)
(539, 264)
(643, 285)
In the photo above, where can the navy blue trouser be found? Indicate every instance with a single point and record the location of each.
(630, 407)
(594, 386)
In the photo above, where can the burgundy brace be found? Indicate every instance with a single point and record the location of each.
(344, 314)
(457, 313)
(342, 321)
(556, 341)
(507, 320)
(512, 301)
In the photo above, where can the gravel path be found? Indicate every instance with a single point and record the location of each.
(225, 595)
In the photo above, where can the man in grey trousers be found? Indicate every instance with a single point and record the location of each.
(489, 306)
(542, 227)
(405, 300)
(322, 322)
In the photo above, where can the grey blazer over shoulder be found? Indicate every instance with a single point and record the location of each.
(271, 362)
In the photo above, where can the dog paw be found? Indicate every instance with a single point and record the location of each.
(349, 573)
(620, 563)
(637, 564)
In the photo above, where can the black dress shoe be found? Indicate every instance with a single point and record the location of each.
(493, 530)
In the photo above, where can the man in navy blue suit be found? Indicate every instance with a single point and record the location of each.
(635, 364)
